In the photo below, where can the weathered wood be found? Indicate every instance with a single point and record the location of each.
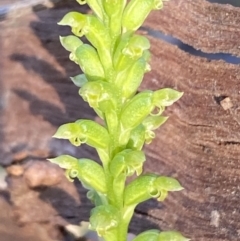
(200, 143)
(213, 28)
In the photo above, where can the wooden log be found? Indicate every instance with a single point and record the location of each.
(199, 144)
(213, 28)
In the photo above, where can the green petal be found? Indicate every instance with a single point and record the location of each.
(166, 97)
(153, 122)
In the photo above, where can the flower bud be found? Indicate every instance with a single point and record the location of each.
(147, 186)
(88, 59)
(136, 12)
(94, 134)
(136, 110)
(114, 10)
(99, 37)
(130, 49)
(91, 174)
(140, 190)
(127, 162)
(136, 46)
(132, 79)
(104, 218)
(101, 95)
(87, 171)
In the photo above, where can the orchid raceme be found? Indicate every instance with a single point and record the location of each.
(113, 64)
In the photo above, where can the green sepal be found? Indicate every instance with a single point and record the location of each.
(171, 236)
(104, 219)
(127, 162)
(93, 134)
(100, 95)
(88, 59)
(84, 131)
(152, 123)
(166, 97)
(79, 80)
(136, 110)
(76, 21)
(136, 12)
(137, 138)
(65, 161)
(168, 184)
(70, 42)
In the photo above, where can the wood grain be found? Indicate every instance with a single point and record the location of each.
(199, 145)
(213, 28)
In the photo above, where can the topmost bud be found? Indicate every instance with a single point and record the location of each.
(137, 11)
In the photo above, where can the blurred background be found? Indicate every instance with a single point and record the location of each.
(36, 96)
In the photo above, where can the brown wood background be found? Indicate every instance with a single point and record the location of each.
(200, 143)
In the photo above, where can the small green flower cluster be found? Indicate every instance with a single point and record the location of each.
(113, 68)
